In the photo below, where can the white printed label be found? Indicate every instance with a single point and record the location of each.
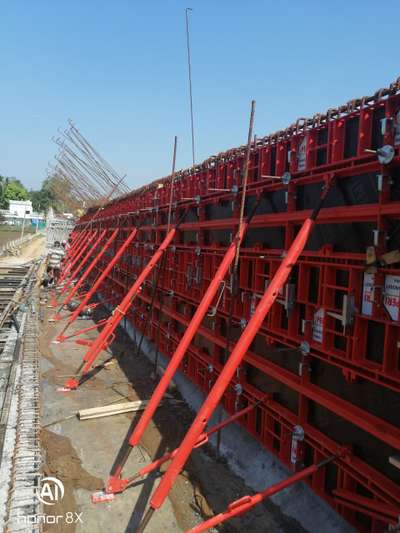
(391, 299)
(302, 154)
(318, 325)
(368, 294)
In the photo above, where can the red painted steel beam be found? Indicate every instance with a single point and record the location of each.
(87, 272)
(70, 278)
(98, 282)
(74, 250)
(373, 508)
(329, 215)
(134, 436)
(81, 250)
(346, 167)
(374, 375)
(98, 324)
(75, 243)
(246, 503)
(119, 312)
(373, 425)
(120, 485)
(234, 360)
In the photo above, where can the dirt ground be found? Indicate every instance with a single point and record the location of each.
(7, 235)
(32, 250)
(204, 488)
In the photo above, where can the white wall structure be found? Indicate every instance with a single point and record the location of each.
(20, 208)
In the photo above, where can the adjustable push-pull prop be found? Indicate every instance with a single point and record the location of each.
(133, 437)
(231, 256)
(120, 485)
(87, 272)
(79, 253)
(233, 361)
(106, 335)
(245, 503)
(97, 283)
(71, 277)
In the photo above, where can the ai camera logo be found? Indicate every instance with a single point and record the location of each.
(50, 490)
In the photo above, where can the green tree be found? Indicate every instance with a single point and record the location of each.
(3, 185)
(44, 198)
(15, 191)
(11, 189)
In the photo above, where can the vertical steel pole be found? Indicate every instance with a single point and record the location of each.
(190, 80)
(232, 254)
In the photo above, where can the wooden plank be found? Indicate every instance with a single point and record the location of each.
(110, 410)
(395, 460)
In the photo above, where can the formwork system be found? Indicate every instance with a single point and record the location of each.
(322, 368)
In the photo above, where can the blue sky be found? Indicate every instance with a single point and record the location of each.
(118, 69)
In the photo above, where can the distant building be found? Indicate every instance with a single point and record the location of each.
(20, 208)
(21, 212)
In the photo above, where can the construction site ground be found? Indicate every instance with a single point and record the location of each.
(81, 453)
(30, 251)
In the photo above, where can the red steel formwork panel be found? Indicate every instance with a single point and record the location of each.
(328, 354)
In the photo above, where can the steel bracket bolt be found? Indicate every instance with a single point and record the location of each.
(238, 389)
(116, 485)
(305, 348)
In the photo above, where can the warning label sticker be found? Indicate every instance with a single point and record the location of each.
(391, 298)
(368, 294)
(391, 295)
(318, 325)
(302, 154)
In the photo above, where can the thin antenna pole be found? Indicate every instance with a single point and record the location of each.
(172, 183)
(245, 174)
(190, 79)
